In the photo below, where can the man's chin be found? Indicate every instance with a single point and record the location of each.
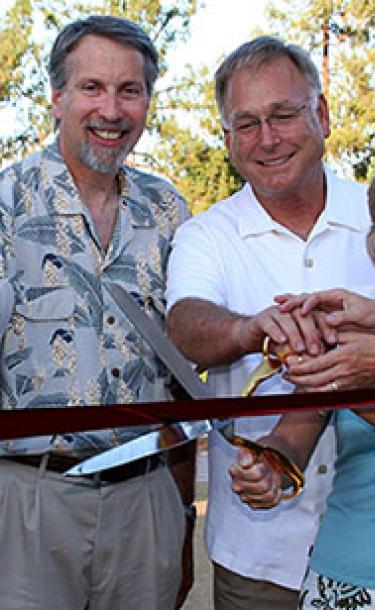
(104, 163)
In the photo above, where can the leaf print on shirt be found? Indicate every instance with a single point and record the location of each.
(17, 357)
(44, 230)
(49, 400)
(35, 293)
(133, 374)
(64, 182)
(86, 284)
(8, 399)
(141, 213)
(123, 270)
(23, 385)
(31, 178)
(5, 220)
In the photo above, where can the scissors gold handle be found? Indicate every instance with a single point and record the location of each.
(278, 461)
(271, 363)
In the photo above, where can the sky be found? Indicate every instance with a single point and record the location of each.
(219, 28)
(216, 29)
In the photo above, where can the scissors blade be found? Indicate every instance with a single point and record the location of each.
(151, 443)
(160, 342)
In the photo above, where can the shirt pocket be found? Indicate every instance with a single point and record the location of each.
(41, 341)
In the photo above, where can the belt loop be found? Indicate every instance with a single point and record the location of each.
(43, 464)
(148, 465)
(96, 479)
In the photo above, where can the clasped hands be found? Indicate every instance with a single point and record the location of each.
(330, 337)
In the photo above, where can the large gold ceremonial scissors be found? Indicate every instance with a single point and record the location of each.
(271, 363)
(168, 437)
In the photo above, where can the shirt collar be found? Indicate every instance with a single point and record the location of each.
(63, 198)
(254, 220)
(337, 212)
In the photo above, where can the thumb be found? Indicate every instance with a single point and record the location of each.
(245, 458)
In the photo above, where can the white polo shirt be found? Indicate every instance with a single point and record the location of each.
(237, 256)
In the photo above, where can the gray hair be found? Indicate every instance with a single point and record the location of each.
(122, 30)
(256, 52)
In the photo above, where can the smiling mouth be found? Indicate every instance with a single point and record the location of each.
(110, 136)
(276, 162)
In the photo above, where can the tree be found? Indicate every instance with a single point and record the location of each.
(21, 76)
(190, 149)
(342, 33)
(23, 60)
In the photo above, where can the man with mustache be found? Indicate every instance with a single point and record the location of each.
(72, 218)
(295, 226)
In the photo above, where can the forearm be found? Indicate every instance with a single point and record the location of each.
(210, 335)
(367, 414)
(296, 435)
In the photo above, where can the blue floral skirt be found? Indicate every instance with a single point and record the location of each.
(322, 593)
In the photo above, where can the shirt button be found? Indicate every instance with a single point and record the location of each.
(309, 262)
(322, 469)
(111, 320)
(115, 372)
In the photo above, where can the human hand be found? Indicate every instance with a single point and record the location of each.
(295, 332)
(337, 308)
(255, 481)
(350, 365)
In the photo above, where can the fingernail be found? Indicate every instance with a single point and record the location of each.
(246, 459)
(332, 338)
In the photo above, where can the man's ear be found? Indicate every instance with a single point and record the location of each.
(56, 103)
(323, 113)
(227, 139)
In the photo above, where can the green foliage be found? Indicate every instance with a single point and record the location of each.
(20, 76)
(349, 28)
(24, 82)
(190, 150)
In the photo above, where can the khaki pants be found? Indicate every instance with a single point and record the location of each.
(234, 592)
(69, 545)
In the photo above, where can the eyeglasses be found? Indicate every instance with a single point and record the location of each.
(281, 120)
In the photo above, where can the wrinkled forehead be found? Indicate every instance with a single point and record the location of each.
(264, 86)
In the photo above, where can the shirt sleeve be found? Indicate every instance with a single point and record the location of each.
(7, 258)
(195, 268)
(7, 302)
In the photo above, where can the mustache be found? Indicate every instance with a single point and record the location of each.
(120, 125)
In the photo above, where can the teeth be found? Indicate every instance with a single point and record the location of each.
(276, 161)
(108, 135)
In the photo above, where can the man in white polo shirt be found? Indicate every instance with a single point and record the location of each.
(295, 226)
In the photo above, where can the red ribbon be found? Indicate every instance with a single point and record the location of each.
(21, 423)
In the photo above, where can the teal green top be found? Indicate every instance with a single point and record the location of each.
(344, 547)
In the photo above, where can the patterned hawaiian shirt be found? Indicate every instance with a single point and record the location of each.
(64, 340)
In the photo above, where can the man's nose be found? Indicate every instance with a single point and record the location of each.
(268, 135)
(111, 108)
